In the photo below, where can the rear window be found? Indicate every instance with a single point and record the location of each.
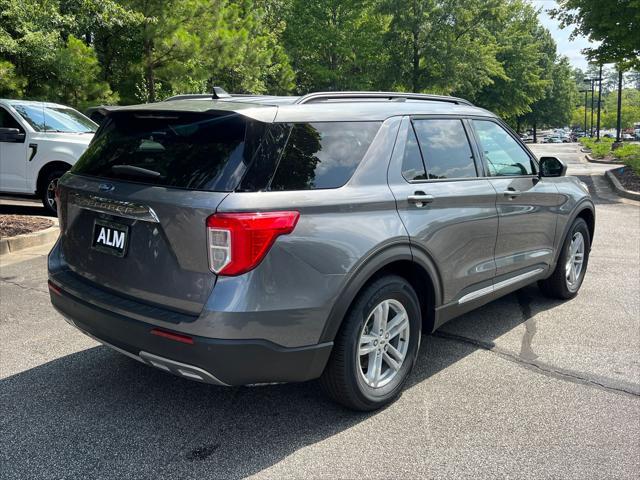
(192, 151)
(226, 152)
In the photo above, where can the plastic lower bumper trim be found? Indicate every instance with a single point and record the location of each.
(215, 361)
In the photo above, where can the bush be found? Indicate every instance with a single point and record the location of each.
(586, 142)
(634, 164)
(600, 149)
(602, 146)
(630, 155)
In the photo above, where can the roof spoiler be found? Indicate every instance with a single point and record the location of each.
(216, 94)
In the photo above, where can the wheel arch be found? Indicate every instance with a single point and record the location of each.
(396, 259)
(46, 169)
(587, 212)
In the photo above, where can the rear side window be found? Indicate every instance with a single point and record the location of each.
(322, 155)
(183, 150)
(412, 165)
(445, 148)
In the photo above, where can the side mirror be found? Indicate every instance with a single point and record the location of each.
(11, 135)
(552, 167)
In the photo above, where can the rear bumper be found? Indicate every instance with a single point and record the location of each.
(216, 361)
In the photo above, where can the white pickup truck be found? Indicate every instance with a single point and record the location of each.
(39, 142)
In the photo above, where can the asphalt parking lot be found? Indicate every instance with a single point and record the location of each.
(524, 387)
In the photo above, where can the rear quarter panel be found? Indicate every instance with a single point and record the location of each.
(288, 297)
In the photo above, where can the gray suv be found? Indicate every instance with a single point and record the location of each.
(241, 240)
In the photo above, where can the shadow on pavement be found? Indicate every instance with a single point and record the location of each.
(22, 208)
(598, 199)
(97, 413)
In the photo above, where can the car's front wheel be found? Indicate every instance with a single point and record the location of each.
(566, 279)
(376, 346)
(48, 194)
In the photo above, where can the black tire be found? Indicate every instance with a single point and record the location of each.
(343, 379)
(45, 192)
(558, 285)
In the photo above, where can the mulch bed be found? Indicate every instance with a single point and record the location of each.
(12, 225)
(628, 178)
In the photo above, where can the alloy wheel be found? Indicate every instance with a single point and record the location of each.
(575, 261)
(384, 342)
(51, 193)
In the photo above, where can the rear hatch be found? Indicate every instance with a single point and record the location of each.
(134, 208)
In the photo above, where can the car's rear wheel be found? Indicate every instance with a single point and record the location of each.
(48, 193)
(376, 346)
(566, 279)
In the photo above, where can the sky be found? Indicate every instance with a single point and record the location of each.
(566, 47)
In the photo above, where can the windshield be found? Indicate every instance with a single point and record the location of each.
(55, 119)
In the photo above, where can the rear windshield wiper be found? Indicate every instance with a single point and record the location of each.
(137, 171)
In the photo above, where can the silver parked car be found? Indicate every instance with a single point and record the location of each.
(248, 239)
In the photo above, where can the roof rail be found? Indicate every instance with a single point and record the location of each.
(325, 96)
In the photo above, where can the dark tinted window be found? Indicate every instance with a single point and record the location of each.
(322, 155)
(7, 120)
(192, 151)
(260, 173)
(412, 165)
(502, 153)
(445, 148)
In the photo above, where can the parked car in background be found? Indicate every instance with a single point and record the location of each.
(552, 140)
(252, 239)
(626, 137)
(39, 142)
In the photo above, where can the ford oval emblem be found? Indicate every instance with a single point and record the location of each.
(106, 187)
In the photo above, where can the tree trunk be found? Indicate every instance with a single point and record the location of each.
(415, 70)
(619, 119)
(535, 133)
(150, 77)
(415, 64)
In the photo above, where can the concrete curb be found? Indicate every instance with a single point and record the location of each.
(619, 189)
(28, 240)
(602, 162)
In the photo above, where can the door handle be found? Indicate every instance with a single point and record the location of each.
(419, 199)
(511, 193)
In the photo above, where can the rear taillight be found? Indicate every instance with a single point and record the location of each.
(238, 242)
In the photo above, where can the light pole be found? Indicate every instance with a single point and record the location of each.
(585, 110)
(599, 101)
(592, 82)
